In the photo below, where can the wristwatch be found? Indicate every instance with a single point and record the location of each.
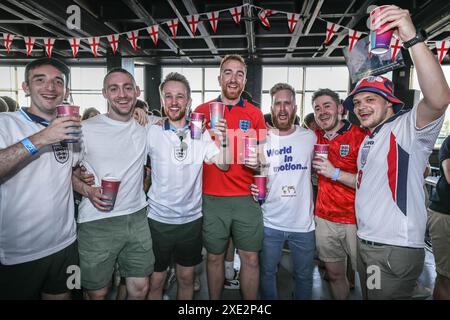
(420, 36)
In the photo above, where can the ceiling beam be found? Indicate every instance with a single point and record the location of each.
(297, 33)
(313, 17)
(180, 17)
(351, 24)
(190, 7)
(250, 29)
(143, 14)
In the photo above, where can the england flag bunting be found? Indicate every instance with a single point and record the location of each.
(29, 43)
(48, 44)
(332, 28)
(236, 14)
(173, 26)
(292, 19)
(263, 16)
(442, 48)
(133, 38)
(395, 47)
(192, 20)
(74, 45)
(113, 40)
(94, 42)
(353, 37)
(8, 38)
(153, 32)
(213, 18)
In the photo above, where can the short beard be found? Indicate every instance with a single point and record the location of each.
(283, 127)
(180, 116)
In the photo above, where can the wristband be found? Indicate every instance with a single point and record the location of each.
(336, 174)
(29, 146)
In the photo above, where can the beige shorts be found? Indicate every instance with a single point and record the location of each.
(335, 241)
(439, 228)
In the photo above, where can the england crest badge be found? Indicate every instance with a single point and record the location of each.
(344, 150)
(244, 125)
(61, 152)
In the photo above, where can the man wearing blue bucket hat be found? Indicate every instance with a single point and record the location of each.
(390, 207)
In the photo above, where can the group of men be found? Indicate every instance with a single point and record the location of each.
(201, 193)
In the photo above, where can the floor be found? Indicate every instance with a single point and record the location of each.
(321, 289)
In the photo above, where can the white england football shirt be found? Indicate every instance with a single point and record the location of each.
(289, 204)
(118, 149)
(36, 200)
(390, 204)
(175, 196)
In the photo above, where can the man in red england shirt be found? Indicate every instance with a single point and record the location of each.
(228, 207)
(335, 211)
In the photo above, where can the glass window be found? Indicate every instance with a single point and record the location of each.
(211, 79)
(274, 75)
(88, 100)
(334, 78)
(87, 78)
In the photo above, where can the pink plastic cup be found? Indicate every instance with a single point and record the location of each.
(216, 110)
(68, 110)
(321, 150)
(379, 43)
(261, 182)
(110, 187)
(196, 125)
(250, 146)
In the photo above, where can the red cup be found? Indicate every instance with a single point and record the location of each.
(196, 125)
(68, 110)
(110, 187)
(250, 146)
(321, 150)
(379, 43)
(261, 182)
(216, 110)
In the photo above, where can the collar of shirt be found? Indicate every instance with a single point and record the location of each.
(32, 117)
(239, 104)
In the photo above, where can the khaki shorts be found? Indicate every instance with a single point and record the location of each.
(388, 272)
(439, 228)
(238, 217)
(335, 241)
(125, 239)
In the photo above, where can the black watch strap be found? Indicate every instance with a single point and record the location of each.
(419, 37)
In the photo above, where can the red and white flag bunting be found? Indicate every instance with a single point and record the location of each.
(113, 40)
(292, 19)
(236, 14)
(353, 37)
(8, 38)
(29, 43)
(153, 32)
(263, 16)
(48, 44)
(75, 45)
(442, 48)
(133, 38)
(94, 42)
(193, 21)
(213, 18)
(332, 28)
(173, 26)
(395, 47)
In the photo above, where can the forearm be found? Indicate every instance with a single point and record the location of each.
(432, 82)
(79, 186)
(223, 159)
(347, 179)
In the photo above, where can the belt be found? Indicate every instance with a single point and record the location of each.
(373, 243)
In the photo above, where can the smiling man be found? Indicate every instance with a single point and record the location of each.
(335, 212)
(115, 144)
(390, 206)
(227, 202)
(37, 226)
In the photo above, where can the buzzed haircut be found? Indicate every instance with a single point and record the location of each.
(326, 92)
(61, 66)
(119, 70)
(282, 86)
(233, 57)
(175, 76)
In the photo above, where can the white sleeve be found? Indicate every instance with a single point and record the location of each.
(211, 148)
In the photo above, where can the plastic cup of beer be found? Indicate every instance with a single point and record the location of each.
(68, 110)
(196, 125)
(110, 187)
(379, 43)
(260, 182)
(250, 146)
(321, 150)
(216, 110)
